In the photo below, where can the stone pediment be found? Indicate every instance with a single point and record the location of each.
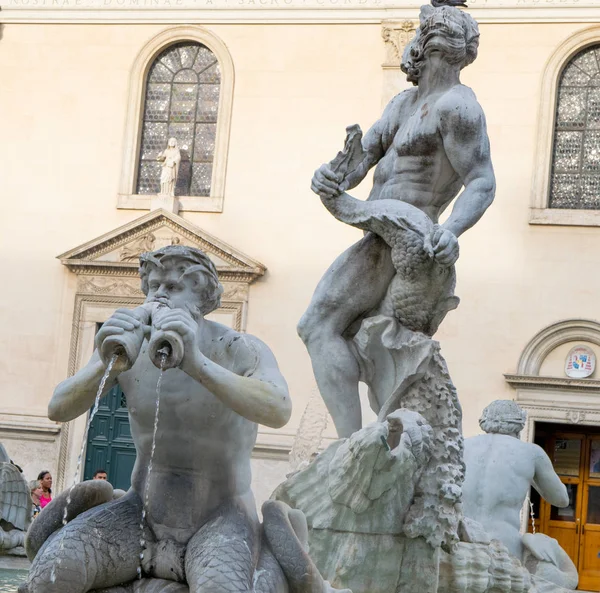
(116, 253)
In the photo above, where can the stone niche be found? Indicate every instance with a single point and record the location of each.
(107, 278)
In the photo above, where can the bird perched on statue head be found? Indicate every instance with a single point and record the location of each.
(438, 3)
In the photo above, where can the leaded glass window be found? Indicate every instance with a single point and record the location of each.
(575, 181)
(181, 101)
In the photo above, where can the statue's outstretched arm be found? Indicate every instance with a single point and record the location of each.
(254, 388)
(547, 482)
(467, 147)
(75, 395)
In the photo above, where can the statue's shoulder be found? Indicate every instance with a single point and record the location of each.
(244, 350)
(460, 99)
(535, 449)
(403, 97)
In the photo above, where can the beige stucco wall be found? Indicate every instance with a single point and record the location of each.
(62, 113)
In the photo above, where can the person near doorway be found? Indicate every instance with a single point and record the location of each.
(45, 480)
(36, 491)
(100, 474)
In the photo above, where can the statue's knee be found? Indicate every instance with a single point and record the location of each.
(303, 328)
(311, 327)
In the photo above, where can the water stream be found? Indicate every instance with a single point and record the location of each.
(163, 359)
(79, 459)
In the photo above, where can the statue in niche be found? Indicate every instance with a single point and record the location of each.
(201, 532)
(500, 471)
(170, 158)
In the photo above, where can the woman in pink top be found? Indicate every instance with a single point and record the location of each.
(45, 479)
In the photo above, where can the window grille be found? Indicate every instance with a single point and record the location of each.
(181, 101)
(575, 174)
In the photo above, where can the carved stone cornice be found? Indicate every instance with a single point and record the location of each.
(555, 383)
(115, 253)
(206, 12)
(396, 36)
(24, 426)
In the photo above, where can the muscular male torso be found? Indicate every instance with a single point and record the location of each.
(415, 168)
(191, 462)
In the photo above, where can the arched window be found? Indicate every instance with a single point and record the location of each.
(575, 172)
(181, 101)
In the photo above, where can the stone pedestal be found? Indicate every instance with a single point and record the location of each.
(168, 203)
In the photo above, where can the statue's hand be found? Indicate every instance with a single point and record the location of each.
(542, 548)
(326, 183)
(445, 246)
(182, 323)
(122, 320)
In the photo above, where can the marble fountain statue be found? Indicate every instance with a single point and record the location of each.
(196, 392)
(15, 506)
(380, 510)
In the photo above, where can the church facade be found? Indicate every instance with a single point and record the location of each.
(257, 94)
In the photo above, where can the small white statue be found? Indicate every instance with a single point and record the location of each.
(170, 159)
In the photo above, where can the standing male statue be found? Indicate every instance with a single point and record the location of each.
(500, 470)
(430, 142)
(200, 527)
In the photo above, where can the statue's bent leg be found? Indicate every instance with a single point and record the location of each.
(100, 548)
(222, 556)
(353, 285)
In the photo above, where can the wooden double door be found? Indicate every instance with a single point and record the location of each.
(576, 459)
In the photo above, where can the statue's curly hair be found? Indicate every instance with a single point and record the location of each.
(195, 264)
(447, 29)
(503, 416)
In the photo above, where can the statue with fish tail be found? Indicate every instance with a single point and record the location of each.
(216, 386)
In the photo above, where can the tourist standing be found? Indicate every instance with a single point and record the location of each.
(45, 479)
(36, 491)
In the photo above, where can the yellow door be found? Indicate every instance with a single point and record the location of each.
(589, 542)
(565, 450)
(576, 459)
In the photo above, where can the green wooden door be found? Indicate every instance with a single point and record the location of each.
(110, 445)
